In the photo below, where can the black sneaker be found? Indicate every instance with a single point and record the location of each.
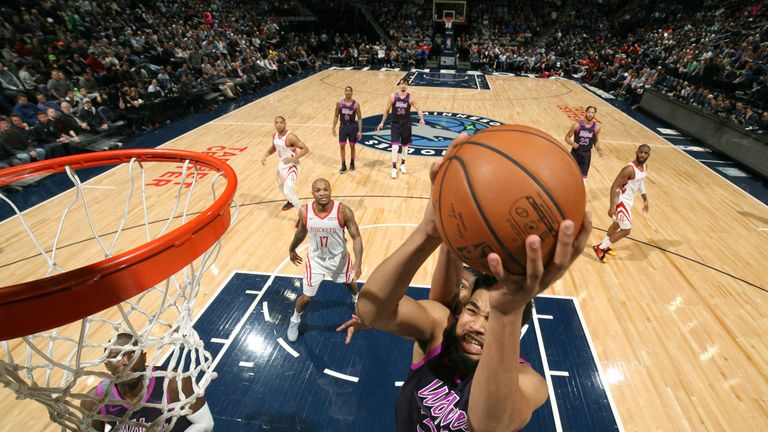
(343, 168)
(352, 166)
(287, 206)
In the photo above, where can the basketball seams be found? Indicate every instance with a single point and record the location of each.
(525, 170)
(444, 169)
(479, 208)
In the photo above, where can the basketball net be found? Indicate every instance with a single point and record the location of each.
(448, 21)
(58, 367)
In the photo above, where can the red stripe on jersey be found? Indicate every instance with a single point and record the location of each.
(326, 215)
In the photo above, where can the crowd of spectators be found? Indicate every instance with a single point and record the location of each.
(73, 71)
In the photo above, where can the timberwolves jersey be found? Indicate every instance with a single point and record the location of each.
(145, 414)
(585, 136)
(433, 398)
(326, 234)
(401, 109)
(347, 111)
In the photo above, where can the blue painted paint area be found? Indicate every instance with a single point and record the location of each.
(476, 80)
(283, 393)
(581, 398)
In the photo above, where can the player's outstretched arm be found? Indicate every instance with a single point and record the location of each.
(383, 303)
(497, 401)
(446, 278)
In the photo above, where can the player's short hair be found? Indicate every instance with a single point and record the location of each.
(402, 80)
(591, 107)
(280, 117)
(320, 180)
(348, 87)
(645, 146)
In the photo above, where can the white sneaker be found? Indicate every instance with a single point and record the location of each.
(402, 168)
(293, 330)
(394, 173)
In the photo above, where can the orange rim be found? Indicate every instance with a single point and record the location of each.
(42, 304)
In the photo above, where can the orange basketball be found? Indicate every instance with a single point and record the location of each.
(502, 185)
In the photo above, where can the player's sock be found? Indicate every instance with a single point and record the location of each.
(606, 243)
(296, 315)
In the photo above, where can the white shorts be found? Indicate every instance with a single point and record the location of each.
(287, 172)
(338, 268)
(623, 215)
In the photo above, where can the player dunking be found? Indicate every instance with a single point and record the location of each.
(325, 220)
(348, 109)
(628, 183)
(586, 132)
(400, 103)
(289, 150)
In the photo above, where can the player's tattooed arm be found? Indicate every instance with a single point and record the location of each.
(298, 237)
(357, 239)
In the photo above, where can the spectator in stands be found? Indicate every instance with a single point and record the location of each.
(43, 103)
(45, 134)
(90, 117)
(15, 143)
(25, 110)
(58, 86)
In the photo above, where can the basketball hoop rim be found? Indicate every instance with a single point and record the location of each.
(31, 307)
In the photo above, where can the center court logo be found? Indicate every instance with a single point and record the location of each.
(431, 139)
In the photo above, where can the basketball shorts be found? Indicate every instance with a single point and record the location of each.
(623, 215)
(348, 133)
(401, 133)
(287, 172)
(583, 159)
(339, 268)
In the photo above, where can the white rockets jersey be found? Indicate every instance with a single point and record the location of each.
(283, 151)
(628, 190)
(326, 235)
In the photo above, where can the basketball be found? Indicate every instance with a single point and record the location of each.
(502, 185)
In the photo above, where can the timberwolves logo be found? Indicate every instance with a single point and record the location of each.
(431, 139)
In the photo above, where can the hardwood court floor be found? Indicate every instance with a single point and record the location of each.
(678, 319)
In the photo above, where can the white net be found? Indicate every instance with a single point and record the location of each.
(164, 360)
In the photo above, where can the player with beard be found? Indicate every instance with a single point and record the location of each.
(464, 378)
(120, 397)
(629, 181)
